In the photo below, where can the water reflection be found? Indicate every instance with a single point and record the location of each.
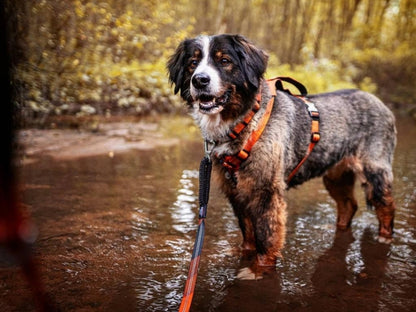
(349, 275)
(185, 206)
(116, 234)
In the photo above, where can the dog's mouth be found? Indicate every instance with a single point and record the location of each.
(209, 104)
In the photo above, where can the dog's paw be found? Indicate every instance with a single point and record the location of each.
(248, 274)
(384, 240)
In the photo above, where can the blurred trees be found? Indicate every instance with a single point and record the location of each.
(86, 57)
(371, 43)
(92, 57)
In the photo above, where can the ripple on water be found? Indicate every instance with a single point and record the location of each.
(183, 210)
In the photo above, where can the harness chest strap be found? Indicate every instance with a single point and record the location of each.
(240, 126)
(232, 162)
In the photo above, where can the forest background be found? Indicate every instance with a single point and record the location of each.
(81, 58)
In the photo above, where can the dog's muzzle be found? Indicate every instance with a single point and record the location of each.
(209, 104)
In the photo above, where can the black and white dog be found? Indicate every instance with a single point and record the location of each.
(220, 76)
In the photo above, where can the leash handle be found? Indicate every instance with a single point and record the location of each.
(205, 168)
(204, 185)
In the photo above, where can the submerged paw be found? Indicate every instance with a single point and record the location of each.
(384, 240)
(248, 274)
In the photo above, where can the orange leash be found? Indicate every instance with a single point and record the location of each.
(204, 186)
(188, 293)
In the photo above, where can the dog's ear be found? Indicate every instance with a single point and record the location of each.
(176, 66)
(253, 60)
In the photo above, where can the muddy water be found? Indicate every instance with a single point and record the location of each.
(116, 234)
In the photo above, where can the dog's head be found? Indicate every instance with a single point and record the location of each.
(218, 74)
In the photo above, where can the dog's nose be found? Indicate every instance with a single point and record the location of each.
(200, 80)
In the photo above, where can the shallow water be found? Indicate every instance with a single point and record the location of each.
(116, 234)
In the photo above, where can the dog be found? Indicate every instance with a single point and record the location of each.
(220, 77)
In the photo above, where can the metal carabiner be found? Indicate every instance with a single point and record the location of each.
(208, 149)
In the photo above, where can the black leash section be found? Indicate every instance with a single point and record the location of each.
(204, 185)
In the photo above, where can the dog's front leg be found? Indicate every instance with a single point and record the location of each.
(245, 223)
(269, 223)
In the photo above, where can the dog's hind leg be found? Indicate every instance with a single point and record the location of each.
(379, 193)
(339, 181)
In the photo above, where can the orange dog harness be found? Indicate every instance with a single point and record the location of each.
(233, 162)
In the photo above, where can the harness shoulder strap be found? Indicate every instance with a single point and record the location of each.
(313, 113)
(232, 162)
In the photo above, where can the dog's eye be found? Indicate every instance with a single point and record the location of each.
(193, 64)
(224, 61)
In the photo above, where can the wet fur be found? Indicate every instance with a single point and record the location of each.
(358, 138)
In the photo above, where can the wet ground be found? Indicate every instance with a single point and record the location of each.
(116, 226)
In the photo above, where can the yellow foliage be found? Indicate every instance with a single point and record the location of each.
(318, 75)
(112, 52)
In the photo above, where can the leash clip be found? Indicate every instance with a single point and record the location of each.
(208, 148)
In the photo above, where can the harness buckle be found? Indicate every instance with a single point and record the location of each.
(243, 155)
(231, 163)
(315, 137)
(312, 110)
(314, 115)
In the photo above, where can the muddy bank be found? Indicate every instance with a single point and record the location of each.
(106, 138)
